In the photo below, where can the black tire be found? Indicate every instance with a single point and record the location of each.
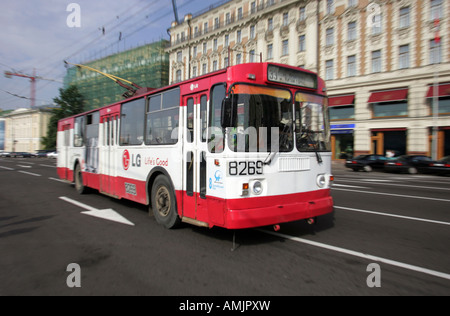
(164, 203)
(78, 179)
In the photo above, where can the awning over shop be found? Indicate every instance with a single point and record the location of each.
(388, 96)
(341, 100)
(443, 91)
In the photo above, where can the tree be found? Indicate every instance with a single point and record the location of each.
(70, 102)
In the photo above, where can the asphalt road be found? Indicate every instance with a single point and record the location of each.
(399, 222)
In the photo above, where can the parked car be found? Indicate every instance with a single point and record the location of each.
(52, 155)
(366, 162)
(42, 153)
(411, 164)
(441, 166)
(5, 154)
(21, 155)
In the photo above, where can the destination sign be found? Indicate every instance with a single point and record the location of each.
(291, 76)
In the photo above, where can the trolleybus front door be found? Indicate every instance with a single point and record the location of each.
(194, 164)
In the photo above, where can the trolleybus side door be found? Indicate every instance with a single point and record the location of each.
(107, 152)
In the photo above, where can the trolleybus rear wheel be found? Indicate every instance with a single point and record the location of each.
(79, 186)
(164, 204)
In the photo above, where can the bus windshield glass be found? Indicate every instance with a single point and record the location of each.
(311, 122)
(262, 119)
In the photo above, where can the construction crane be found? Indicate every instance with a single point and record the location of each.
(133, 88)
(9, 74)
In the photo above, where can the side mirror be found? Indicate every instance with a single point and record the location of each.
(226, 113)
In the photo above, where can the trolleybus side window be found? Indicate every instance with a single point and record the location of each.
(132, 123)
(216, 135)
(78, 135)
(312, 132)
(92, 142)
(163, 117)
(203, 120)
(190, 120)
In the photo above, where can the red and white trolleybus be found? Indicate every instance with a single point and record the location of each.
(242, 147)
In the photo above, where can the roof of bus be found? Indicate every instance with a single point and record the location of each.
(238, 73)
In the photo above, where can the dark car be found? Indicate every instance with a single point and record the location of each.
(43, 153)
(366, 162)
(411, 164)
(21, 155)
(441, 166)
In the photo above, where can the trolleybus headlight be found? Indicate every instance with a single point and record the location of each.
(321, 180)
(257, 187)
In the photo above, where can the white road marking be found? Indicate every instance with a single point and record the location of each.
(396, 195)
(59, 180)
(48, 166)
(361, 255)
(6, 168)
(400, 185)
(393, 215)
(347, 186)
(23, 166)
(30, 173)
(108, 214)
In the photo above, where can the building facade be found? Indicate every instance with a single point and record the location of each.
(386, 62)
(25, 128)
(147, 66)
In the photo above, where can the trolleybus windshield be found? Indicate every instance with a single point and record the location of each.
(262, 119)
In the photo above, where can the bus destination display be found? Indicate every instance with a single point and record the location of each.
(291, 77)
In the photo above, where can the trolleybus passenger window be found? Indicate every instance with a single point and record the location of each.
(132, 122)
(163, 118)
(215, 133)
(78, 136)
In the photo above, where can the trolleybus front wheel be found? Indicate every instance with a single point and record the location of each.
(79, 186)
(164, 203)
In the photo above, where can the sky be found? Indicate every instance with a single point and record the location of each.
(37, 36)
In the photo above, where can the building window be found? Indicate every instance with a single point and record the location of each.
(351, 35)
(240, 15)
(227, 18)
(204, 69)
(376, 24)
(435, 52)
(404, 57)
(179, 57)
(436, 9)
(270, 51)
(252, 56)
(205, 48)
(351, 66)
(205, 28)
(226, 62)
(404, 17)
(239, 36)
(329, 37)
(253, 7)
(285, 49)
(178, 76)
(215, 44)
(252, 32)
(352, 3)
(215, 65)
(390, 109)
(346, 112)
(194, 71)
(195, 51)
(286, 19)
(330, 6)
(376, 61)
(329, 69)
(216, 23)
(302, 43)
(270, 24)
(227, 40)
(238, 59)
(302, 16)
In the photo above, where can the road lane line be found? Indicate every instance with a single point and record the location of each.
(30, 173)
(399, 185)
(79, 204)
(361, 255)
(396, 195)
(59, 180)
(347, 186)
(23, 166)
(393, 215)
(6, 168)
(48, 166)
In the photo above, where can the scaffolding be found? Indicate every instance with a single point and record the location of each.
(147, 66)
